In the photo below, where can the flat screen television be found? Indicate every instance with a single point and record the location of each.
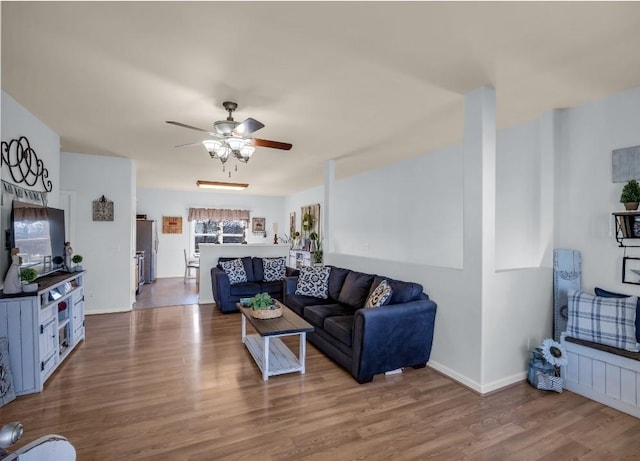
(39, 234)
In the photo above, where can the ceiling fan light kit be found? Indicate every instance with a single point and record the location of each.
(230, 138)
(221, 185)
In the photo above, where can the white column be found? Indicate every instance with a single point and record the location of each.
(479, 215)
(329, 179)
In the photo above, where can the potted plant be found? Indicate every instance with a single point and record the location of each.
(77, 259)
(28, 275)
(313, 236)
(264, 307)
(630, 195)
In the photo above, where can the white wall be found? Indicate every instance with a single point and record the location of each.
(16, 122)
(156, 203)
(295, 202)
(587, 194)
(107, 246)
(410, 211)
(518, 196)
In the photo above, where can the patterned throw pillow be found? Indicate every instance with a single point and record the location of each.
(609, 321)
(274, 269)
(314, 281)
(380, 296)
(235, 271)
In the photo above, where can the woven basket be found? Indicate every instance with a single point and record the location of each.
(264, 314)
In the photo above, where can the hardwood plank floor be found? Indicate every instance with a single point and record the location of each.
(177, 384)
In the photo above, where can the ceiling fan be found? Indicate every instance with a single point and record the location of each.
(230, 137)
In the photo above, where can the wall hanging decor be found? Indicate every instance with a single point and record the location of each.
(631, 270)
(625, 164)
(258, 226)
(25, 168)
(172, 224)
(102, 209)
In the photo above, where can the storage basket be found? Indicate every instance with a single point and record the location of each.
(264, 314)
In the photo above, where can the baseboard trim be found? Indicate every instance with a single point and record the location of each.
(107, 310)
(474, 386)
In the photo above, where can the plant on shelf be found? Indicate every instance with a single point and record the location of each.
(307, 222)
(28, 274)
(630, 195)
(262, 301)
(77, 259)
(57, 260)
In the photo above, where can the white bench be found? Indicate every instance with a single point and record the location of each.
(596, 372)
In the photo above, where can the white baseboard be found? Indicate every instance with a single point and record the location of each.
(474, 385)
(107, 310)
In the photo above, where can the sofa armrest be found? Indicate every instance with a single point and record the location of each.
(393, 336)
(220, 285)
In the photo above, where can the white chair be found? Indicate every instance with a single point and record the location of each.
(190, 264)
(48, 448)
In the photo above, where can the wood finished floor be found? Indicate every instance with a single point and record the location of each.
(177, 384)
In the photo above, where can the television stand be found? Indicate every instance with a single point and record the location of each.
(43, 328)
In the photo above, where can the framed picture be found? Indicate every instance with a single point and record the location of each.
(631, 270)
(172, 224)
(292, 223)
(258, 224)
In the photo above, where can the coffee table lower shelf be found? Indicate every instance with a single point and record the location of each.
(279, 359)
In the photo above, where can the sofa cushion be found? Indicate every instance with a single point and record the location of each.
(609, 321)
(247, 264)
(274, 269)
(317, 314)
(402, 292)
(235, 271)
(297, 303)
(611, 294)
(340, 327)
(272, 288)
(355, 289)
(258, 269)
(244, 289)
(336, 280)
(380, 295)
(313, 281)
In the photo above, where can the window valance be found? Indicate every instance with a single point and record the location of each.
(30, 213)
(217, 214)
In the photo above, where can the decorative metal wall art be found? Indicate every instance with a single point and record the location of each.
(24, 164)
(172, 224)
(102, 209)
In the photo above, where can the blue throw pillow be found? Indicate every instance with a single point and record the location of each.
(611, 294)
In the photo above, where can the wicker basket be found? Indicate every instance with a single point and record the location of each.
(264, 314)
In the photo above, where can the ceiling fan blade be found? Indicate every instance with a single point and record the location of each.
(272, 144)
(191, 144)
(247, 126)
(186, 126)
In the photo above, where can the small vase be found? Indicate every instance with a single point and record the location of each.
(30, 287)
(631, 206)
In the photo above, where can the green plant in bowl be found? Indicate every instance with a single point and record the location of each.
(261, 301)
(28, 274)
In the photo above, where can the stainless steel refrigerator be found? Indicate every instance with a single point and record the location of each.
(147, 241)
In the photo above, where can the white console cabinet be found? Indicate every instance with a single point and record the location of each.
(42, 328)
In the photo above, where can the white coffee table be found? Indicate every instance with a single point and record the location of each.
(270, 353)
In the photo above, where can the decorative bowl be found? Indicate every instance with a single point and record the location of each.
(264, 314)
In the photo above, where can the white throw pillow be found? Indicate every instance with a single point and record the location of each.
(314, 281)
(274, 269)
(234, 270)
(380, 296)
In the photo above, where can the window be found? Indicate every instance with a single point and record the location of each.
(213, 231)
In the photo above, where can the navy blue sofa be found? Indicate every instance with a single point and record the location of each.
(367, 341)
(226, 295)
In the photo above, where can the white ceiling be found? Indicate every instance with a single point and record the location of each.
(366, 83)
